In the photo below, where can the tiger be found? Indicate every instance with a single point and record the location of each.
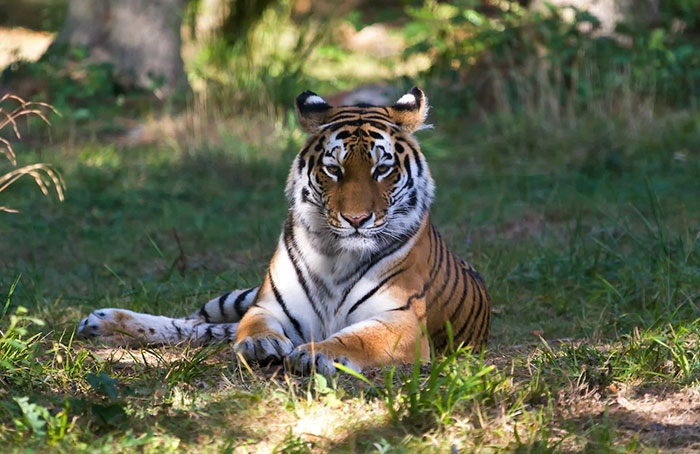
(360, 277)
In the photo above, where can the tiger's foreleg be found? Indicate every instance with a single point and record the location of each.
(388, 338)
(215, 321)
(261, 337)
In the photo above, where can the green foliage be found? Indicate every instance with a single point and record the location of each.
(435, 396)
(103, 385)
(18, 347)
(452, 382)
(76, 88)
(512, 57)
(665, 354)
(292, 444)
(39, 422)
(262, 65)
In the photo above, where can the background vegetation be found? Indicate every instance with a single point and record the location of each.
(566, 160)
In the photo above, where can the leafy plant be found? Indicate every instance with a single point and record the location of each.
(110, 411)
(260, 69)
(509, 58)
(452, 381)
(18, 349)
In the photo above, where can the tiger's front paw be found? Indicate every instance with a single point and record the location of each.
(111, 326)
(264, 349)
(305, 359)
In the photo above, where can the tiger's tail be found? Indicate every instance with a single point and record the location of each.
(216, 321)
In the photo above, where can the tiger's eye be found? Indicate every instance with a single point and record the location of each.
(334, 170)
(381, 169)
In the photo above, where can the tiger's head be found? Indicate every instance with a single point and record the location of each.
(360, 182)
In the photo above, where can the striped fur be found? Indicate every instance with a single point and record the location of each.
(360, 275)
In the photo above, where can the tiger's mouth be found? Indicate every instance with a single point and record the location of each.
(356, 233)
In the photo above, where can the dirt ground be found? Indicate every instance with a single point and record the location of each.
(22, 44)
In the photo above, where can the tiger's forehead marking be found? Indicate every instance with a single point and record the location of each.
(377, 144)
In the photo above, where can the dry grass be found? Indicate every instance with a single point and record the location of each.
(13, 108)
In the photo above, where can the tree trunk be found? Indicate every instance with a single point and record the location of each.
(140, 38)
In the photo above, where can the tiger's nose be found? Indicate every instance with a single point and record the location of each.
(356, 221)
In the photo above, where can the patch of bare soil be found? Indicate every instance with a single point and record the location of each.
(665, 419)
(22, 44)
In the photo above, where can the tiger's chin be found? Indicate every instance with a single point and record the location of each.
(356, 242)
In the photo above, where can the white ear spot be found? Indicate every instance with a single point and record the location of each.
(315, 100)
(407, 99)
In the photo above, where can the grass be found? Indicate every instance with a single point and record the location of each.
(579, 209)
(587, 238)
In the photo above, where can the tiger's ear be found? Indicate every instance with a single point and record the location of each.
(312, 111)
(410, 111)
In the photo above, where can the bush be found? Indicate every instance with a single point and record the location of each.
(510, 58)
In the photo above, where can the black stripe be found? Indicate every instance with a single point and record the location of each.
(340, 340)
(177, 328)
(409, 178)
(222, 300)
(359, 113)
(208, 333)
(376, 135)
(458, 306)
(412, 298)
(280, 301)
(412, 199)
(376, 258)
(398, 265)
(336, 126)
(312, 161)
(480, 283)
(362, 342)
(376, 116)
(358, 122)
(476, 340)
(292, 248)
(438, 262)
(203, 313)
(343, 116)
(342, 135)
(429, 283)
(388, 250)
(419, 164)
(387, 327)
(350, 110)
(460, 331)
(311, 167)
(448, 274)
(237, 305)
(456, 278)
(478, 312)
(431, 236)
(319, 145)
(374, 290)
